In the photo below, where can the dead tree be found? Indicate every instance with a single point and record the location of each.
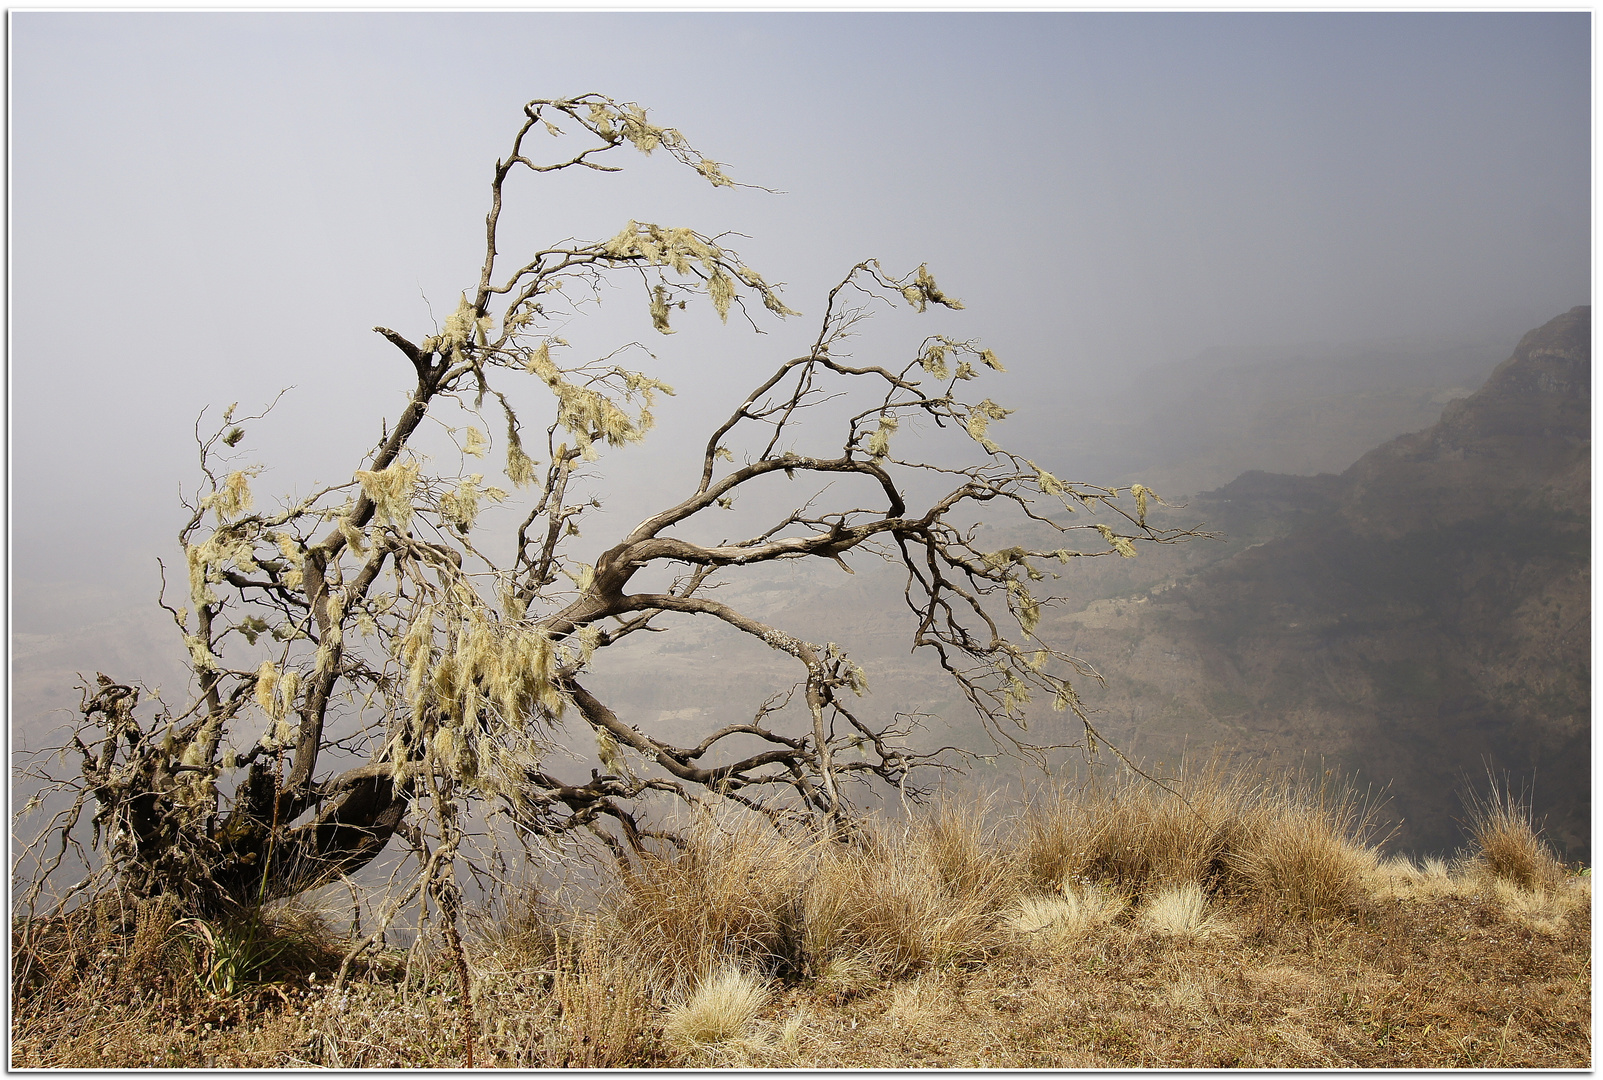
(365, 665)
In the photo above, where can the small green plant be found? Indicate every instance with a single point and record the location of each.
(231, 954)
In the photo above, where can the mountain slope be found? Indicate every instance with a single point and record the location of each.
(1424, 618)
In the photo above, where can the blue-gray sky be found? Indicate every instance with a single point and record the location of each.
(209, 207)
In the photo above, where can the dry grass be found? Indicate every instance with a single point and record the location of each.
(1301, 844)
(1508, 846)
(1180, 912)
(925, 895)
(1307, 857)
(1398, 984)
(730, 896)
(602, 1011)
(1135, 836)
(1056, 922)
(1543, 910)
(722, 1009)
(1247, 925)
(1508, 865)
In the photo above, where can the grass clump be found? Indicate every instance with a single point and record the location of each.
(729, 895)
(1543, 909)
(1058, 921)
(1298, 845)
(722, 1009)
(1306, 854)
(250, 948)
(926, 895)
(1508, 854)
(1135, 835)
(1180, 912)
(1507, 846)
(118, 948)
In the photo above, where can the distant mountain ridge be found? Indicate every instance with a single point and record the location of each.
(1193, 425)
(1420, 618)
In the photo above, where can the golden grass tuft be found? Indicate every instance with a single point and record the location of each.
(884, 911)
(1306, 857)
(1543, 909)
(927, 894)
(722, 1009)
(1058, 921)
(729, 896)
(1433, 879)
(1180, 912)
(1033, 914)
(1135, 835)
(1507, 845)
(1297, 844)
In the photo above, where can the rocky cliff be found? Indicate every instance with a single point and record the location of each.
(1420, 619)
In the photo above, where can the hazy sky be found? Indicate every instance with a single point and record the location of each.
(210, 207)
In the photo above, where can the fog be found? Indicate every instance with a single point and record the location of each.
(210, 208)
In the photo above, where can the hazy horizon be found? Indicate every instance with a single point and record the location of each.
(243, 196)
